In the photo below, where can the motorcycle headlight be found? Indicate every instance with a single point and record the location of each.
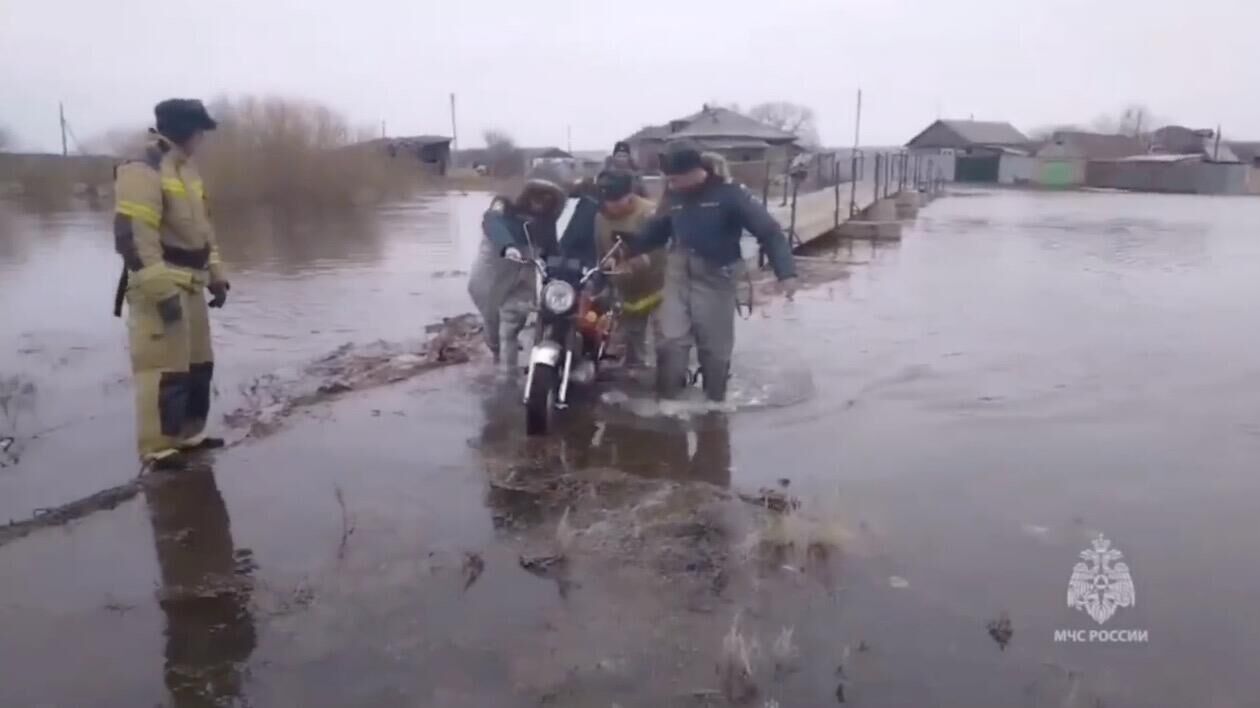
(558, 297)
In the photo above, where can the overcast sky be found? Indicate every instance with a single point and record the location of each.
(606, 68)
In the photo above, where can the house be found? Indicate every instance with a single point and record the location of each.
(563, 166)
(1181, 160)
(1176, 173)
(1179, 140)
(590, 162)
(1247, 152)
(974, 150)
(431, 151)
(735, 136)
(1062, 160)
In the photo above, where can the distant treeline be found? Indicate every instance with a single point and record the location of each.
(268, 151)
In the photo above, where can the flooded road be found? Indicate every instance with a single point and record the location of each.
(939, 428)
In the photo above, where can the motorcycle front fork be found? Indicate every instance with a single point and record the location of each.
(566, 370)
(562, 400)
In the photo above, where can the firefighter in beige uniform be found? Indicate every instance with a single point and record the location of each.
(163, 233)
(641, 279)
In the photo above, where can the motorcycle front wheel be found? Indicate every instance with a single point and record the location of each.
(539, 400)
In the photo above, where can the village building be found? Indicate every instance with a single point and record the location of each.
(975, 151)
(747, 144)
(431, 152)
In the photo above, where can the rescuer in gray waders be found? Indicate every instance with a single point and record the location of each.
(703, 218)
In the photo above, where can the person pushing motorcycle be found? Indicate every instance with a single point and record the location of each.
(703, 218)
(501, 286)
(640, 279)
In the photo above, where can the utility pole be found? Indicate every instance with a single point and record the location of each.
(1216, 149)
(857, 124)
(568, 133)
(61, 112)
(382, 129)
(454, 132)
(853, 163)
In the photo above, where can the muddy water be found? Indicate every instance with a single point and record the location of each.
(301, 287)
(957, 416)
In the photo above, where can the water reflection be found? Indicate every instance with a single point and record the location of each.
(285, 243)
(590, 436)
(205, 593)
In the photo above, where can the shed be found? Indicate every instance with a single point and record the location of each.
(432, 151)
(1062, 159)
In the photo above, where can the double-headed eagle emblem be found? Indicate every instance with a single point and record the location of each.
(1101, 582)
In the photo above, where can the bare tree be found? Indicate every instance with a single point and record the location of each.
(119, 142)
(1046, 132)
(1135, 120)
(788, 117)
(728, 105)
(504, 157)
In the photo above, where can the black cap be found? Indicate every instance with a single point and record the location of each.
(680, 157)
(621, 146)
(179, 118)
(614, 184)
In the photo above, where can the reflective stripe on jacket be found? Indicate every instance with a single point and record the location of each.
(162, 225)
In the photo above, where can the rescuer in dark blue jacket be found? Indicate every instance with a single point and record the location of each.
(703, 218)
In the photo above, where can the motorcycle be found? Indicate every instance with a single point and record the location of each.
(574, 327)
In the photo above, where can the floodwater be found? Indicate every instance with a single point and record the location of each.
(954, 418)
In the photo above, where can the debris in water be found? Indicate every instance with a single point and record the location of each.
(840, 692)
(785, 653)
(335, 387)
(347, 522)
(64, 514)
(274, 397)
(121, 608)
(898, 582)
(553, 567)
(863, 646)
(736, 671)
(1001, 630)
(6, 457)
(772, 499)
(545, 565)
(565, 533)
(474, 566)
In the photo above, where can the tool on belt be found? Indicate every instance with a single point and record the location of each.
(121, 293)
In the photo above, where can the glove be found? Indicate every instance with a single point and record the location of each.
(787, 286)
(512, 253)
(169, 309)
(219, 289)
